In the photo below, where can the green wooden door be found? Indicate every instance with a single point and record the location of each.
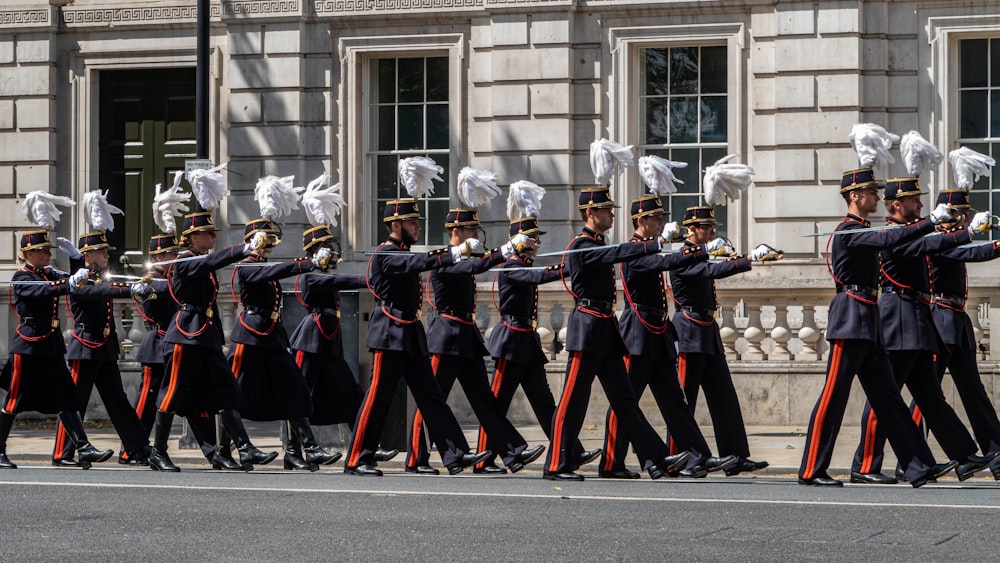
(147, 131)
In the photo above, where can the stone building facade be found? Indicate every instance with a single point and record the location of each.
(99, 93)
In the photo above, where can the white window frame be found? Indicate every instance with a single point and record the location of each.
(355, 129)
(625, 60)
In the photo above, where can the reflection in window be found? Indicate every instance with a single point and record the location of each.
(408, 109)
(683, 116)
(979, 113)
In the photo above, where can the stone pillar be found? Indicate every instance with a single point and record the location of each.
(729, 332)
(780, 334)
(754, 334)
(809, 335)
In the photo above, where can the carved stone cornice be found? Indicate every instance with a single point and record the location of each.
(358, 7)
(124, 15)
(27, 17)
(261, 8)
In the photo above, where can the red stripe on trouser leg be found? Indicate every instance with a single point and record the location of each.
(300, 358)
(413, 459)
(871, 427)
(682, 365)
(175, 373)
(61, 435)
(495, 387)
(366, 409)
(609, 454)
(557, 427)
(824, 403)
(238, 360)
(15, 385)
(917, 415)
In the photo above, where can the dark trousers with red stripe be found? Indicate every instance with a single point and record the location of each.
(502, 437)
(108, 380)
(510, 375)
(388, 366)
(871, 364)
(710, 372)
(145, 404)
(915, 369)
(581, 370)
(961, 362)
(661, 378)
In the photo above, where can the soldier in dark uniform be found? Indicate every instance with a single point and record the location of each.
(650, 339)
(272, 385)
(701, 362)
(93, 354)
(318, 345)
(856, 341)
(596, 346)
(397, 339)
(198, 379)
(911, 339)
(36, 376)
(957, 349)
(457, 347)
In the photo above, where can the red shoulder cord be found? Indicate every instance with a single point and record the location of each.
(379, 298)
(497, 305)
(17, 329)
(170, 288)
(655, 329)
(274, 322)
(315, 316)
(838, 281)
(562, 276)
(92, 344)
(679, 305)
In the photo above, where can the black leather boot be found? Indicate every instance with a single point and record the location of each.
(248, 453)
(86, 452)
(223, 459)
(6, 423)
(293, 455)
(311, 450)
(158, 458)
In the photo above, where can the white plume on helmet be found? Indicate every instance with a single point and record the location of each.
(417, 175)
(169, 204)
(872, 143)
(276, 196)
(918, 154)
(726, 180)
(99, 212)
(658, 174)
(208, 186)
(476, 188)
(967, 166)
(323, 204)
(608, 158)
(524, 200)
(40, 208)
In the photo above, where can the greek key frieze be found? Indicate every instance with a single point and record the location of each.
(24, 18)
(355, 6)
(258, 7)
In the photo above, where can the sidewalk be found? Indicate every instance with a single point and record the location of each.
(31, 443)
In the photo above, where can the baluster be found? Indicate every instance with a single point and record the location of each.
(809, 335)
(729, 332)
(754, 334)
(973, 307)
(780, 334)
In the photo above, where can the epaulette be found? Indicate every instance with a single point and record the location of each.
(691, 249)
(557, 267)
(438, 252)
(119, 285)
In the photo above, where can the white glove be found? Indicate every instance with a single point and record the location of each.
(980, 222)
(78, 278)
(473, 247)
(67, 247)
(257, 242)
(141, 289)
(671, 231)
(458, 253)
(941, 214)
(715, 244)
(322, 258)
(515, 245)
(761, 251)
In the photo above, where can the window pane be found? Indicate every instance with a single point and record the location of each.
(437, 126)
(656, 121)
(386, 81)
(994, 62)
(710, 156)
(441, 188)
(983, 183)
(684, 120)
(713, 70)
(437, 79)
(386, 128)
(973, 63)
(656, 72)
(979, 200)
(994, 113)
(713, 119)
(973, 112)
(387, 176)
(690, 174)
(683, 70)
(411, 80)
(411, 127)
(436, 213)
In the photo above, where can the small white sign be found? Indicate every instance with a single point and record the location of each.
(200, 164)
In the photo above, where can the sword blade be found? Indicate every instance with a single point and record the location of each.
(854, 231)
(185, 259)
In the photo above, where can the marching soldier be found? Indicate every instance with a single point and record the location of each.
(36, 376)
(397, 339)
(650, 339)
(856, 340)
(701, 360)
(457, 348)
(912, 340)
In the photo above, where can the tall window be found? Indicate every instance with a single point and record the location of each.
(408, 101)
(682, 116)
(979, 113)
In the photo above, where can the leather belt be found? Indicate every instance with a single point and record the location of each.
(83, 327)
(870, 293)
(405, 314)
(262, 311)
(707, 312)
(195, 309)
(522, 321)
(953, 299)
(325, 311)
(654, 312)
(925, 297)
(605, 307)
(462, 315)
(40, 322)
